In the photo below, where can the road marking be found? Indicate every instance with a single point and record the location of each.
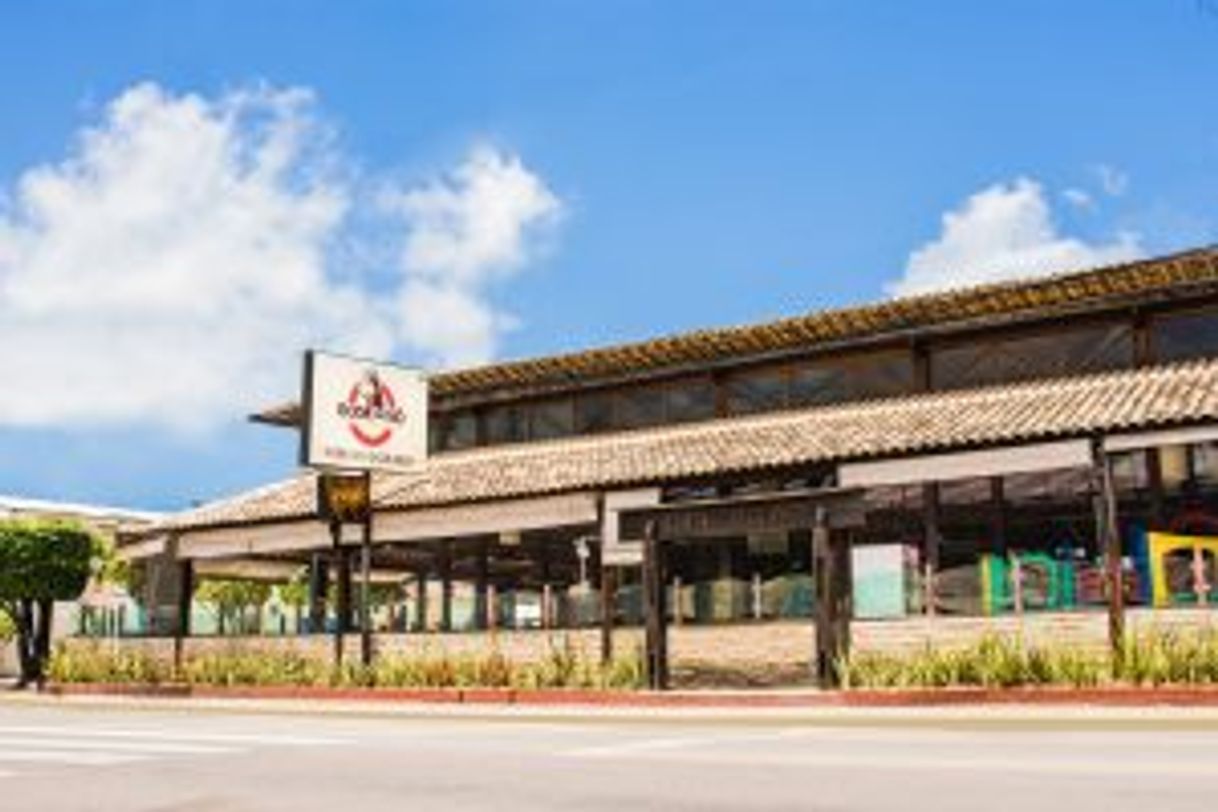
(166, 735)
(93, 759)
(40, 742)
(667, 750)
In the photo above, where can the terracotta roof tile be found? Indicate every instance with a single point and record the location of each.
(1015, 413)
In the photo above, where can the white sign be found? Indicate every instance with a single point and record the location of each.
(362, 415)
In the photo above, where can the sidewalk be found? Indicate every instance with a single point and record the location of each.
(794, 706)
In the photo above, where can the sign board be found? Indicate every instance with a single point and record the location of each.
(362, 415)
(344, 497)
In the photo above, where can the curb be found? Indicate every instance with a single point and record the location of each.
(1120, 697)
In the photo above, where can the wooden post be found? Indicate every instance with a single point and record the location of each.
(932, 541)
(365, 573)
(186, 591)
(608, 610)
(446, 586)
(1109, 531)
(482, 618)
(319, 578)
(420, 605)
(342, 575)
(831, 614)
(656, 612)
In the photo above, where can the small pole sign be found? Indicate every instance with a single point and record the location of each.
(362, 415)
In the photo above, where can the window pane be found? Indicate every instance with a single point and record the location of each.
(1186, 335)
(456, 431)
(594, 413)
(553, 418)
(636, 408)
(816, 385)
(756, 391)
(505, 424)
(691, 400)
(1042, 355)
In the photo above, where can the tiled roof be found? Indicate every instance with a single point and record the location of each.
(1043, 296)
(1001, 415)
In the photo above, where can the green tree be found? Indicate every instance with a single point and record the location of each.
(295, 593)
(233, 599)
(42, 561)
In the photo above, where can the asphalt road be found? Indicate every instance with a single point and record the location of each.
(81, 757)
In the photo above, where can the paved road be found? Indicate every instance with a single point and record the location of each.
(81, 757)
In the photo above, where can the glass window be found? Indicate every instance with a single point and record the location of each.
(594, 412)
(691, 400)
(553, 418)
(505, 424)
(1180, 336)
(758, 390)
(1023, 357)
(636, 408)
(459, 430)
(835, 380)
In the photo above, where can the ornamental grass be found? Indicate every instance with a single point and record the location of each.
(561, 666)
(1158, 657)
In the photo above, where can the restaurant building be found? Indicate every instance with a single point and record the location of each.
(764, 497)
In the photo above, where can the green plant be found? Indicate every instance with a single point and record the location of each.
(42, 561)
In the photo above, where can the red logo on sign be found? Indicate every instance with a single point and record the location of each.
(371, 411)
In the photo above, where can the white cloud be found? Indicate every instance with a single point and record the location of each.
(1078, 198)
(1113, 181)
(169, 271)
(465, 232)
(1005, 231)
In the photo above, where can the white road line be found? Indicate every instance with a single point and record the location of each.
(874, 763)
(78, 732)
(152, 747)
(64, 757)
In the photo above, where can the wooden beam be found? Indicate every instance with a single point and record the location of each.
(932, 540)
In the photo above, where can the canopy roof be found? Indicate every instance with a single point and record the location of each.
(1005, 415)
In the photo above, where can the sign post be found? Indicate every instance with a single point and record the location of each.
(359, 417)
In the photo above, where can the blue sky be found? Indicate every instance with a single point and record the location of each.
(613, 171)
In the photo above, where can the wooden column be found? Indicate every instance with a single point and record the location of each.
(420, 605)
(319, 579)
(655, 610)
(932, 541)
(608, 601)
(186, 592)
(1108, 532)
(446, 586)
(342, 603)
(482, 617)
(365, 582)
(831, 616)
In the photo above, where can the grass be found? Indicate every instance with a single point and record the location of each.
(561, 666)
(1155, 658)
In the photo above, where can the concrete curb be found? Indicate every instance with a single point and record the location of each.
(1116, 696)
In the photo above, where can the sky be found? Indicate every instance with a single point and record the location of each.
(192, 193)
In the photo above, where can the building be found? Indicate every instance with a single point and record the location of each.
(918, 468)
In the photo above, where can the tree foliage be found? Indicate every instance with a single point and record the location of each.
(233, 599)
(42, 561)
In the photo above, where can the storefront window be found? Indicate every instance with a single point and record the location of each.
(593, 412)
(758, 390)
(639, 407)
(455, 431)
(505, 424)
(692, 399)
(1181, 336)
(1048, 354)
(552, 418)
